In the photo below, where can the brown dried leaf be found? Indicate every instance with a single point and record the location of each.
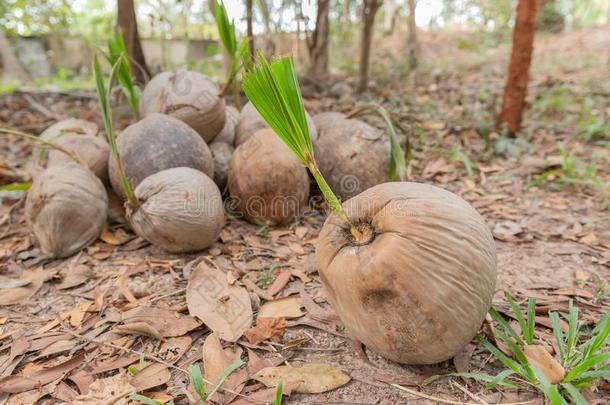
(266, 328)
(115, 238)
(281, 279)
(168, 323)
(20, 383)
(58, 347)
(139, 329)
(313, 378)
(151, 376)
(7, 282)
(540, 357)
(215, 361)
(288, 307)
(266, 396)
(224, 308)
(17, 295)
(32, 396)
(75, 275)
(105, 391)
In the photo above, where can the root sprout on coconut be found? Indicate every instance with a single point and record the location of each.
(188, 96)
(410, 268)
(174, 207)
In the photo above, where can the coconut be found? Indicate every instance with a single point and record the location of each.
(66, 209)
(156, 143)
(227, 135)
(69, 126)
(416, 286)
(92, 151)
(250, 121)
(180, 210)
(187, 96)
(222, 153)
(351, 154)
(266, 181)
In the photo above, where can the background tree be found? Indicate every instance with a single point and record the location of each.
(369, 10)
(128, 25)
(515, 91)
(412, 38)
(317, 42)
(10, 68)
(249, 29)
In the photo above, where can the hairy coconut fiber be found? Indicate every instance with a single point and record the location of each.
(222, 153)
(351, 154)
(181, 210)
(418, 290)
(156, 143)
(267, 182)
(66, 209)
(70, 126)
(227, 135)
(188, 96)
(250, 121)
(92, 151)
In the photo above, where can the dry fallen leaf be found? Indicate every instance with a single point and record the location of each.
(20, 383)
(288, 307)
(168, 323)
(151, 376)
(115, 238)
(224, 308)
(35, 280)
(58, 347)
(108, 391)
(313, 378)
(281, 279)
(7, 282)
(215, 361)
(266, 328)
(540, 357)
(137, 328)
(32, 396)
(75, 275)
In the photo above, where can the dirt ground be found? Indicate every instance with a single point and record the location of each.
(552, 234)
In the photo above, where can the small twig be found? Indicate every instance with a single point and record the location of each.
(177, 292)
(447, 401)
(39, 107)
(465, 391)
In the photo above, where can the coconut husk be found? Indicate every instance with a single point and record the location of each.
(227, 135)
(66, 209)
(222, 153)
(156, 143)
(188, 96)
(181, 210)
(418, 290)
(267, 182)
(70, 126)
(351, 154)
(250, 121)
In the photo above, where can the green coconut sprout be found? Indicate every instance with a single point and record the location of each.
(117, 50)
(273, 89)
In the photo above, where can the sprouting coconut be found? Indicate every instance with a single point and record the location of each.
(222, 153)
(180, 210)
(177, 208)
(92, 151)
(250, 121)
(156, 143)
(352, 155)
(267, 182)
(66, 209)
(409, 268)
(188, 96)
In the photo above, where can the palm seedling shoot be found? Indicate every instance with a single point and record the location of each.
(401, 262)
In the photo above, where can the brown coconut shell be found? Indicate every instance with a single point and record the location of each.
(188, 96)
(181, 210)
(66, 209)
(351, 154)
(156, 143)
(418, 292)
(267, 182)
(70, 126)
(227, 135)
(222, 153)
(92, 151)
(250, 121)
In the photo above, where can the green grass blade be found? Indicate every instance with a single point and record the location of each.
(507, 361)
(144, 400)
(558, 332)
(549, 390)
(491, 380)
(585, 379)
(586, 365)
(575, 394)
(225, 373)
(600, 337)
(197, 381)
(226, 28)
(505, 325)
(573, 331)
(16, 187)
(278, 394)
(531, 320)
(519, 315)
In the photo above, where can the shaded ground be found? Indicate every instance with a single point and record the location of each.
(548, 212)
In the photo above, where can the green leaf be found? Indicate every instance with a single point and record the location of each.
(519, 315)
(142, 361)
(585, 379)
(132, 370)
(556, 323)
(600, 337)
(575, 394)
(505, 325)
(573, 331)
(226, 28)
(197, 382)
(586, 365)
(508, 362)
(16, 187)
(225, 373)
(549, 390)
(531, 320)
(144, 400)
(491, 380)
(278, 394)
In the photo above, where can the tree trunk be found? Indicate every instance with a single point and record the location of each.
(412, 39)
(515, 91)
(249, 30)
(390, 14)
(126, 19)
(10, 68)
(317, 43)
(369, 10)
